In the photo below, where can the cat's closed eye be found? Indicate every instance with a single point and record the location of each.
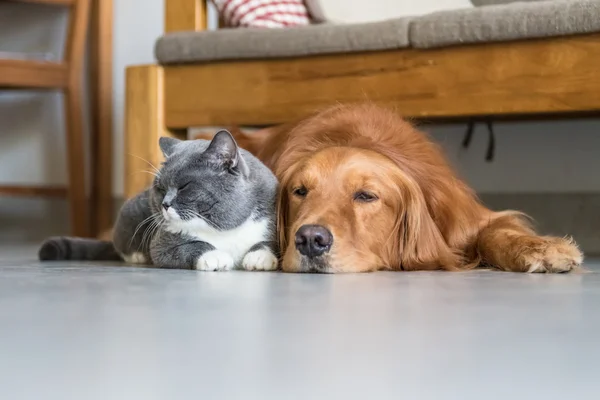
(182, 187)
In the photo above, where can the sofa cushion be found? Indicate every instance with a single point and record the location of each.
(315, 10)
(492, 2)
(516, 21)
(360, 11)
(242, 43)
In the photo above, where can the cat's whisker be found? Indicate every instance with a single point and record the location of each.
(142, 243)
(146, 172)
(137, 228)
(150, 230)
(157, 229)
(150, 172)
(147, 162)
(158, 221)
(149, 234)
(197, 215)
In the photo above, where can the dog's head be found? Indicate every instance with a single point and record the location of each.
(350, 202)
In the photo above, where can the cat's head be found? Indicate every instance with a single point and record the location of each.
(202, 184)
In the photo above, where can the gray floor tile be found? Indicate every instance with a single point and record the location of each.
(84, 331)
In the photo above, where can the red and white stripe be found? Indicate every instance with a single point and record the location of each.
(263, 13)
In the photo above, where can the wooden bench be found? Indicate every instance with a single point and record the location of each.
(537, 77)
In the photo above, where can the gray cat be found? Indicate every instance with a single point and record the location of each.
(211, 207)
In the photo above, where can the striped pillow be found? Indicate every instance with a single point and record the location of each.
(263, 13)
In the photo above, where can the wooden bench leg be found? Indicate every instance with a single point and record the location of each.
(144, 124)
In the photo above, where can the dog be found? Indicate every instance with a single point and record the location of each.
(361, 189)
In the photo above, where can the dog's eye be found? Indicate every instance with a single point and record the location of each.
(300, 191)
(364, 197)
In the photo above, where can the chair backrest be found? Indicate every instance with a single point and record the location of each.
(79, 14)
(79, 17)
(36, 73)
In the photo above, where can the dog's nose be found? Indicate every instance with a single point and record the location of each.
(313, 240)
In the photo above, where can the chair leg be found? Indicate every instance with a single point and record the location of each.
(78, 201)
(144, 124)
(101, 57)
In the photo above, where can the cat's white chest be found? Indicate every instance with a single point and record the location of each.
(235, 242)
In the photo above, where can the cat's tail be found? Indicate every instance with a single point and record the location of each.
(79, 249)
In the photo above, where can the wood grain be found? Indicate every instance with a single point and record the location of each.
(538, 76)
(73, 102)
(51, 2)
(15, 74)
(33, 191)
(101, 58)
(144, 125)
(185, 15)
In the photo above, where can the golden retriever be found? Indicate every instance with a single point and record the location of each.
(364, 190)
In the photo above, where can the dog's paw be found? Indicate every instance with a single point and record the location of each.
(552, 255)
(215, 260)
(260, 260)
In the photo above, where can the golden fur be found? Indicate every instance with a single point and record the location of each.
(422, 217)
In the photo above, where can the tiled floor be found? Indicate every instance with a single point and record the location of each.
(79, 331)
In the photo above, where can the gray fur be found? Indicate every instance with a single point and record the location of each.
(215, 181)
(171, 250)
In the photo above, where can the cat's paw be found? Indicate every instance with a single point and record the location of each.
(260, 260)
(215, 260)
(135, 258)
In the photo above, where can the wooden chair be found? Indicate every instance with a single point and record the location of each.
(528, 77)
(66, 76)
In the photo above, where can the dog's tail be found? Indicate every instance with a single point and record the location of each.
(79, 249)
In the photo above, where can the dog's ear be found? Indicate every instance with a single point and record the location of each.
(287, 168)
(282, 220)
(421, 245)
(283, 206)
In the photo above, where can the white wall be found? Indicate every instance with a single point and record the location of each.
(137, 24)
(543, 156)
(530, 157)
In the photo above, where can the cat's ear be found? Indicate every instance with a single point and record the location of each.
(224, 149)
(167, 145)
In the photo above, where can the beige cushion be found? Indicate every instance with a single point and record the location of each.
(516, 21)
(315, 10)
(492, 2)
(357, 11)
(230, 44)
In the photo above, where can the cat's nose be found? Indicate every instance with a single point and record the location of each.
(166, 205)
(313, 240)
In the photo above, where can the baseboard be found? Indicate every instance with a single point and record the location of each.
(574, 214)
